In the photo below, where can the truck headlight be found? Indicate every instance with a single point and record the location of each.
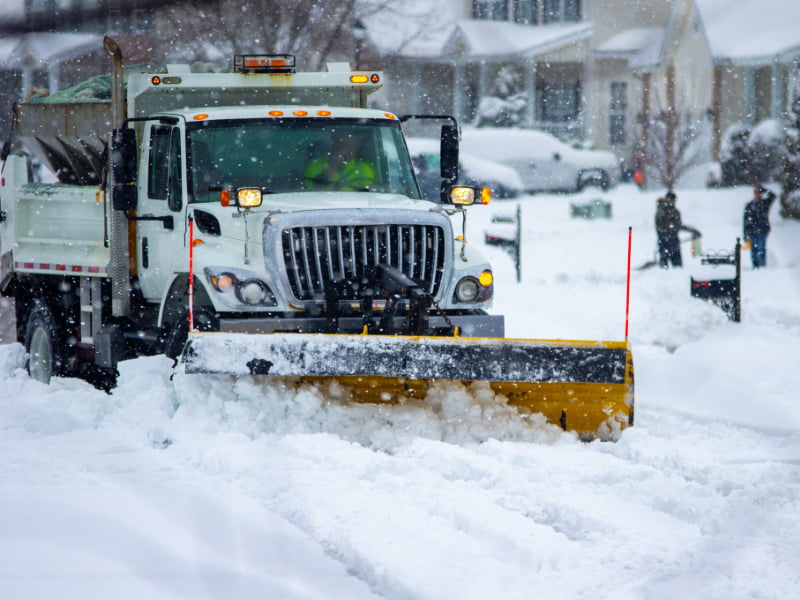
(475, 288)
(252, 292)
(238, 288)
(467, 290)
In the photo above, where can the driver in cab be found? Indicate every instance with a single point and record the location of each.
(340, 169)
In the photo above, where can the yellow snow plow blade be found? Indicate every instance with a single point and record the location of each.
(581, 386)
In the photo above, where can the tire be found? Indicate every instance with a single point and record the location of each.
(599, 179)
(178, 333)
(44, 343)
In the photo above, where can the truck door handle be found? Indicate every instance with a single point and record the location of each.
(167, 220)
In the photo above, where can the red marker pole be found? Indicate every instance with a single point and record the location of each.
(191, 273)
(628, 284)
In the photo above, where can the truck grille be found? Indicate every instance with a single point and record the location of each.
(316, 256)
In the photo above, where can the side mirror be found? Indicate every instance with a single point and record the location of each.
(123, 169)
(449, 153)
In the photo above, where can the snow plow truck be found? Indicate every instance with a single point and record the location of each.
(265, 222)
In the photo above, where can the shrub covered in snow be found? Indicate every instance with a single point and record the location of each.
(506, 106)
(734, 157)
(766, 146)
(756, 155)
(790, 200)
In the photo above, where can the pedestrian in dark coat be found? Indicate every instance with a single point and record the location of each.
(756, 224)
(668, 224)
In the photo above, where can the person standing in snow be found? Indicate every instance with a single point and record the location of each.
(668, 224)
(756, 224)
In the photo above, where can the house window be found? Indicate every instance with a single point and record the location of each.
(526, 11)
(555, 11)
(492, 10)
(561, 102)
(617, 112)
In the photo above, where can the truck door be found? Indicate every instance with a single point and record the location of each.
(161, 226)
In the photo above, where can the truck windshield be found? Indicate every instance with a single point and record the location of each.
(298, 155)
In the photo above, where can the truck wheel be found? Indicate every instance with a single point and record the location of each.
(44, 344)
(179, 332)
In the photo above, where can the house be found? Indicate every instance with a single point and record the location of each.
(607, 71)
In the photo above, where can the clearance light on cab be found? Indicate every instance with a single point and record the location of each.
(200, 117)
(275, 113)
(359, 79)
(486, 195)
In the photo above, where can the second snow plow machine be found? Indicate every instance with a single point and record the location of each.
(267, 223)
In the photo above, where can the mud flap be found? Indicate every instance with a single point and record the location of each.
(582, 386)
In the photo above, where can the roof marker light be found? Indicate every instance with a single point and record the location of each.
(359, 79)
(200, 117)
(300, 113)
(323, 113)
(275, 113)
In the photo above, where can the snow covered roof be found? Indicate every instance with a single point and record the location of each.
(751, 32)
(640, 45)
(478, 38)
(17, 51)
(481, 38)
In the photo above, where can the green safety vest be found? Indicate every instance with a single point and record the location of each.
(356, 174)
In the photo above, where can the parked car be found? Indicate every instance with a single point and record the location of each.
(504, 181)
(544, 162)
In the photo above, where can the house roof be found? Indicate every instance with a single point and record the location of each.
(751, 32)
(486, 39)
(29, 49)
(479, 39)
(639, 45)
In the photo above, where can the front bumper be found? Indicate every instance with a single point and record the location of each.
(472, 325)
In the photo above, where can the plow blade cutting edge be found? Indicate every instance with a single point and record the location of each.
(582, 386)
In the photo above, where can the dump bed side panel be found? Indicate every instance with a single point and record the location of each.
(60, 230)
